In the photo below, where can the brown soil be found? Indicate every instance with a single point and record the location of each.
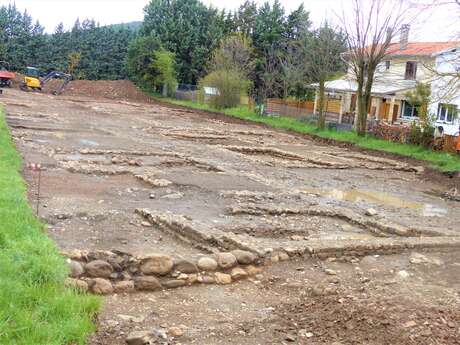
(110, 89)
(90, 192)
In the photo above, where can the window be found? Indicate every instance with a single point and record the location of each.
(411, 70)
(447, 112)
(387, 65)
(409, 111)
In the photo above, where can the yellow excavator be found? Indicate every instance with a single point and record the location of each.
(33, 82)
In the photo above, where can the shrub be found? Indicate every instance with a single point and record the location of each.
(421, 135)
(230, 86)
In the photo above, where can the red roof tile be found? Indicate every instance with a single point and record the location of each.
(421, 48)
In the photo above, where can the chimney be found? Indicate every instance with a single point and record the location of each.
(404, 36)
(389, 36)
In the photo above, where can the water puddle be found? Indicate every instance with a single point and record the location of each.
(360, 195)
(89, 142)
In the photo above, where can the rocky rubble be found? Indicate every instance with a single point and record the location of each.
(106, 272)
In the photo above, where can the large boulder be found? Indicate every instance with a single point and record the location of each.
(157, 264)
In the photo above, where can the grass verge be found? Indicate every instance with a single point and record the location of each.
(35, 308)
(441, 161)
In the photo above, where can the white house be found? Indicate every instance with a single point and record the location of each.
(406, 64)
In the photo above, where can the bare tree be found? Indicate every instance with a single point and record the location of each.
(271, 79)
(447, 78)
(323, 62)
(292, 65)
(369, 32)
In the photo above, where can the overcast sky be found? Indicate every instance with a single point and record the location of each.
(435, 25)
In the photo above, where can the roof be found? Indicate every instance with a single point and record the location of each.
(378, 88)
(421, 48)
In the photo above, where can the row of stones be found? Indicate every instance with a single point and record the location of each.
(108, 272)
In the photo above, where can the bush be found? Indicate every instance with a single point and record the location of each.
(422, 136)
(230, 86)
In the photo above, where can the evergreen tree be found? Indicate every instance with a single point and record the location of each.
(188, 29)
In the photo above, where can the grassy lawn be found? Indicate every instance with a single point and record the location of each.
(35, 308)
(438, 160)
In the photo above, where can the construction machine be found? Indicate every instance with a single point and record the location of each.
(6, 76)
(33, 82)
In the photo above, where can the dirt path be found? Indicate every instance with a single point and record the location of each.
(393, 239)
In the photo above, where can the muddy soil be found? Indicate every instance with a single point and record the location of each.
(106, 158)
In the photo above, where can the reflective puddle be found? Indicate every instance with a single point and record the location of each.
(357, 195)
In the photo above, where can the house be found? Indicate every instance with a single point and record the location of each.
(405, 64)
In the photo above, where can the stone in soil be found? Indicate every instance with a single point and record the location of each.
(222, 278)
(76, 269)
(99, 269)
(371, 212)
(101, 286)
(124, 286)
(147, 283)
(139, 338)
(253, 270)
(77, 284)
(207, 264)
(244, 257)
(157, 264)
(175, 332)
(238, 273)
(226, 260)
(185, 266)
(174, 283)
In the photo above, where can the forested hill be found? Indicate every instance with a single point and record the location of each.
(87, 50)
(135, 26)
(177, 42)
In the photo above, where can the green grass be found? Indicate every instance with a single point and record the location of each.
(441, 161)
(35, 308)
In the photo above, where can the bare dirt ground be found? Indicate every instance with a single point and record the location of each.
(374, 246)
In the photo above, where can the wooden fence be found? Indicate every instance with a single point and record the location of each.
(288, 108)
(450, 143)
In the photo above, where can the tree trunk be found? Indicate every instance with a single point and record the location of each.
(321, 113)
(364, 96)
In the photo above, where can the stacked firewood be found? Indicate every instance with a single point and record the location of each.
(395, 133)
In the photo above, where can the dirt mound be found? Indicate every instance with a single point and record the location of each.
(112, 89)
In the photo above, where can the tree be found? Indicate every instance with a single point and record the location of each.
(74, 61)
(420, 98)
(235, 53)
(298, 24)
(139, 58)
(164, 76)
(228, 84)
(245, 18)
(323, 59)
(230, 67)
(369, 32)
(188, 29)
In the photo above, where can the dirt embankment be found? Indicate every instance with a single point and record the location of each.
(110, 89)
